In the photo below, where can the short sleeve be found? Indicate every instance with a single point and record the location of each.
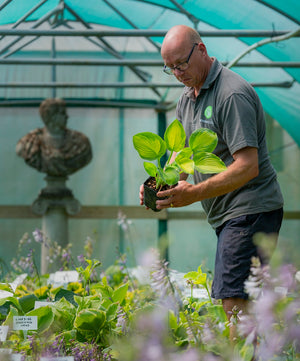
(238, 122)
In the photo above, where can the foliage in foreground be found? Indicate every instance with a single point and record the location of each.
(115, 316)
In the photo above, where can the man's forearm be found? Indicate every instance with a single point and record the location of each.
(237, 175)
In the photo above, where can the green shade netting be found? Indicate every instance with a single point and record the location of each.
(281, 103)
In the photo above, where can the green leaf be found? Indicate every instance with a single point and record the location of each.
(175, 136)
(120, 293)
(171, 175)
(105, 290)
(198, 278)
(68, 335)
(181, 334)
(90, 320)
(68, 295)
(191, 275)
(150, 168)
(95, 301)
(80, 301)
(149, 145)
(208, 163)
(27, 302)
(111, 312)
(6, 287)
(6, 302)
(247, 352)
(172, 320)
(217, 312)
(64, 314)
(9, 319)
(184, 153)
(45, 318)
(203, 140)
(186, 164)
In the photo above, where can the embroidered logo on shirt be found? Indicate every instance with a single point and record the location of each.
(208, 112)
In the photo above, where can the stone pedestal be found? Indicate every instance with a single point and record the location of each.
(55, 203)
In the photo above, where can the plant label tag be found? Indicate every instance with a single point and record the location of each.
(39, 304)
(3, 333)
(64, 358)
(25, 323)
(15, 357)
(61, 278)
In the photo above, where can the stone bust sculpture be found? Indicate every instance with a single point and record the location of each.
(55, 149)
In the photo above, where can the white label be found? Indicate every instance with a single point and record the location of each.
(25, 323)
(61, 278)
(7, 351)
(16, 357)
(3, 333)
(64, 358)
(39, 304)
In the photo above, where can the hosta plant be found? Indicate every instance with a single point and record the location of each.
(197, 156)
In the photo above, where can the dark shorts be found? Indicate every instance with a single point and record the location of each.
(236, 248)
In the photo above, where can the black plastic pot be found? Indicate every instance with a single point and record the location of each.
(150, 196)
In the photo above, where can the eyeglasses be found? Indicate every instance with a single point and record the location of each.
(182, 66)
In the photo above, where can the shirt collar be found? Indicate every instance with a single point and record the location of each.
(213, 74)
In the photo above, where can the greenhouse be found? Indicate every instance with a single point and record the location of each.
(100, 62)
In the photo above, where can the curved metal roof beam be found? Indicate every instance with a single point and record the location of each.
(192, 17)
(107, 47)
(278, 11)
(38, 23)
(24, 17)
(2, 6)
(261, 43)
(180, 8)
(130, 22)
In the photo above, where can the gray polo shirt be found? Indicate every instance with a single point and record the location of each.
(229, 106)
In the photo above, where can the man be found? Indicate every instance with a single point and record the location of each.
(244, 199)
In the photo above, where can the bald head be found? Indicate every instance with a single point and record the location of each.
(179, 37)
(185, 56)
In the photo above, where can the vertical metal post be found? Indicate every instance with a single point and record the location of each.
(53, 54)
(163, 224)
(121, 162)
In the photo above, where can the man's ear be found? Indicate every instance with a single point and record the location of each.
(202, 48)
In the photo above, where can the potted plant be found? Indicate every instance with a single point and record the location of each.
(152, 147)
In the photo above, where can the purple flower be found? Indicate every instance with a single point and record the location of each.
(247, 328)
(123, 222)
(264, 311)
(259, 276)
(160, 277)
(270, 345)
(287, 276)
(81, 258)
(121, 319)
(189, 355)
(38, 236)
